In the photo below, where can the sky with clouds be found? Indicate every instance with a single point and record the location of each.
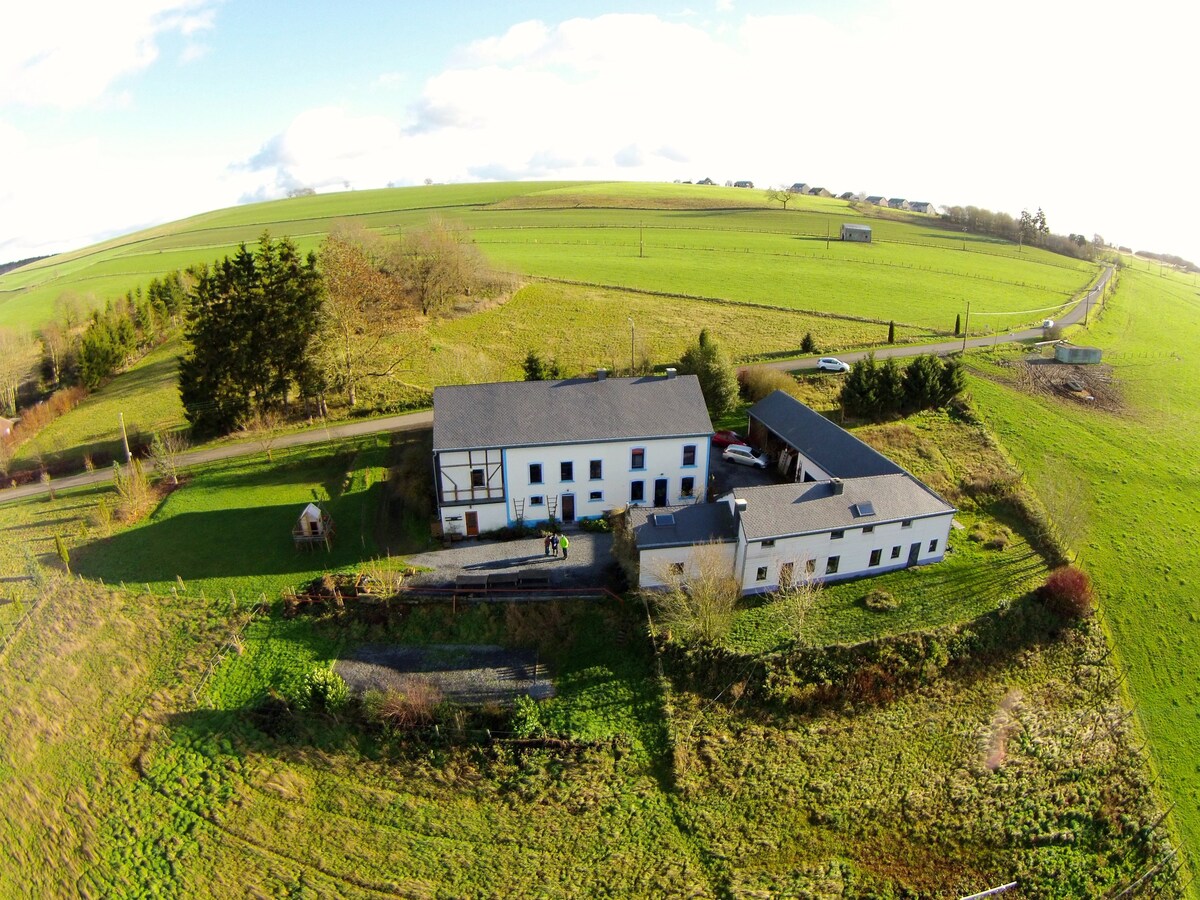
(118, 116)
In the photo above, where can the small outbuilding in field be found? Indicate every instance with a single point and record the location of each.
(315, 526)
(859, 233)
(1066, 352)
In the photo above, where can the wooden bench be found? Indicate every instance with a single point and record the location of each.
(503, 580)
(533, 578)
(471, 584)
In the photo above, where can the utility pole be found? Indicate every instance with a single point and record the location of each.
(966, 326)
(631, 334)
(125, 439)
(826, 234)
(641, 241)
(1086, 302)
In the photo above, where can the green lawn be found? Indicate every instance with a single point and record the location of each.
(228, 528)
(148, 397)
(711, 242)
(1131, 483)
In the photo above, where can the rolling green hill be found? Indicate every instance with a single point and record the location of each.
(711, 242)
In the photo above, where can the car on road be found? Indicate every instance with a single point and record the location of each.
(726, 438)
(832, 364)
(745, 456)
(1047, 323)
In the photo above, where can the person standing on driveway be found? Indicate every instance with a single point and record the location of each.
(546, 543)
(564, 543)
(554, 545)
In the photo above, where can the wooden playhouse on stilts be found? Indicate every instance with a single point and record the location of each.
(314, 527)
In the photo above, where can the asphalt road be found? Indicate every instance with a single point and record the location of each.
(414, 421)
(407, 422)
(1072, 317)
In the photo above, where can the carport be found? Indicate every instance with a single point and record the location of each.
(797, 437)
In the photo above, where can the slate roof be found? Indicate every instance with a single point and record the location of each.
(574, 410)
(834, 449)
(780, 510)
(848, 226)
(695, 524)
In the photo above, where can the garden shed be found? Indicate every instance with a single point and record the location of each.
(313, 527)
(861, 233)
(1066, 352)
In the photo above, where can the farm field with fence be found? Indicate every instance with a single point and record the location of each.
(710, 242)
(1124, 486)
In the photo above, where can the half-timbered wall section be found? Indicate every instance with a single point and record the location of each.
(470, 476)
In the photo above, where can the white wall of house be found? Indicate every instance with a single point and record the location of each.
(662, 458)
(488, 517)
(655, 564)
(853, 551)
(505, 476)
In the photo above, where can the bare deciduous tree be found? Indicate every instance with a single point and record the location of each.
(165, 451)
(700, 596)
(18, 359)
(779, 195)
(263, 427)
(366, 312)
(435, 265)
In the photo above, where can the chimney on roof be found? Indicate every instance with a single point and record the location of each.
(670, 373)
(601, 374)
(739, 507)
(837, 486)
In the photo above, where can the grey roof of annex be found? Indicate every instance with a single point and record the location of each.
(682, 526)
(573, 410)
(780, 510)
(832, 448)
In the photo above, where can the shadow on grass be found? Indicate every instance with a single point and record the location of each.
(224, 543)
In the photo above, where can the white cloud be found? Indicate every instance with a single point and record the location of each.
(1011, 106)
(71, 58)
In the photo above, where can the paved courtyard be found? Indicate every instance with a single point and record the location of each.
(587, 564)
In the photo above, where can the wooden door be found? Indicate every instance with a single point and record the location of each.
(568, 507)
(472, 520)
(660, 492)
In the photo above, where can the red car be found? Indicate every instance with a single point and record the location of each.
(726, 438)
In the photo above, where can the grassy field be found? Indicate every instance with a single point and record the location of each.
(1129, 484)
(710, 242)
(142, 753)
(147, 395)
(229, 527)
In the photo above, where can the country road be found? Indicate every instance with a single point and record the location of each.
(414, 421)
(1073, 316)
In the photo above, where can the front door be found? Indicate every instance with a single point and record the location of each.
(568, 507)
(472, 519)
(913, 552)
(660, 492)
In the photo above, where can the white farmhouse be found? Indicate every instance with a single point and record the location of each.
(845, 511)
(570, 449)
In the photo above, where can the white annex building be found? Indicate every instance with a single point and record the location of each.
(845, 511)
(570, 449)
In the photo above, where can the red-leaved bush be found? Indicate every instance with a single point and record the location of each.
(1068, 592)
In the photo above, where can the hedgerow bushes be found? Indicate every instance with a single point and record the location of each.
(810, 679)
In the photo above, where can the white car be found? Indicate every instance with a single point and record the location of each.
(1047, 323)
(743, 455)
(832, 364)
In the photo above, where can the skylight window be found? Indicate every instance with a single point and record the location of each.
(866, 508)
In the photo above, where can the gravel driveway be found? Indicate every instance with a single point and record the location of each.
(464, 673)
(586, 565)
